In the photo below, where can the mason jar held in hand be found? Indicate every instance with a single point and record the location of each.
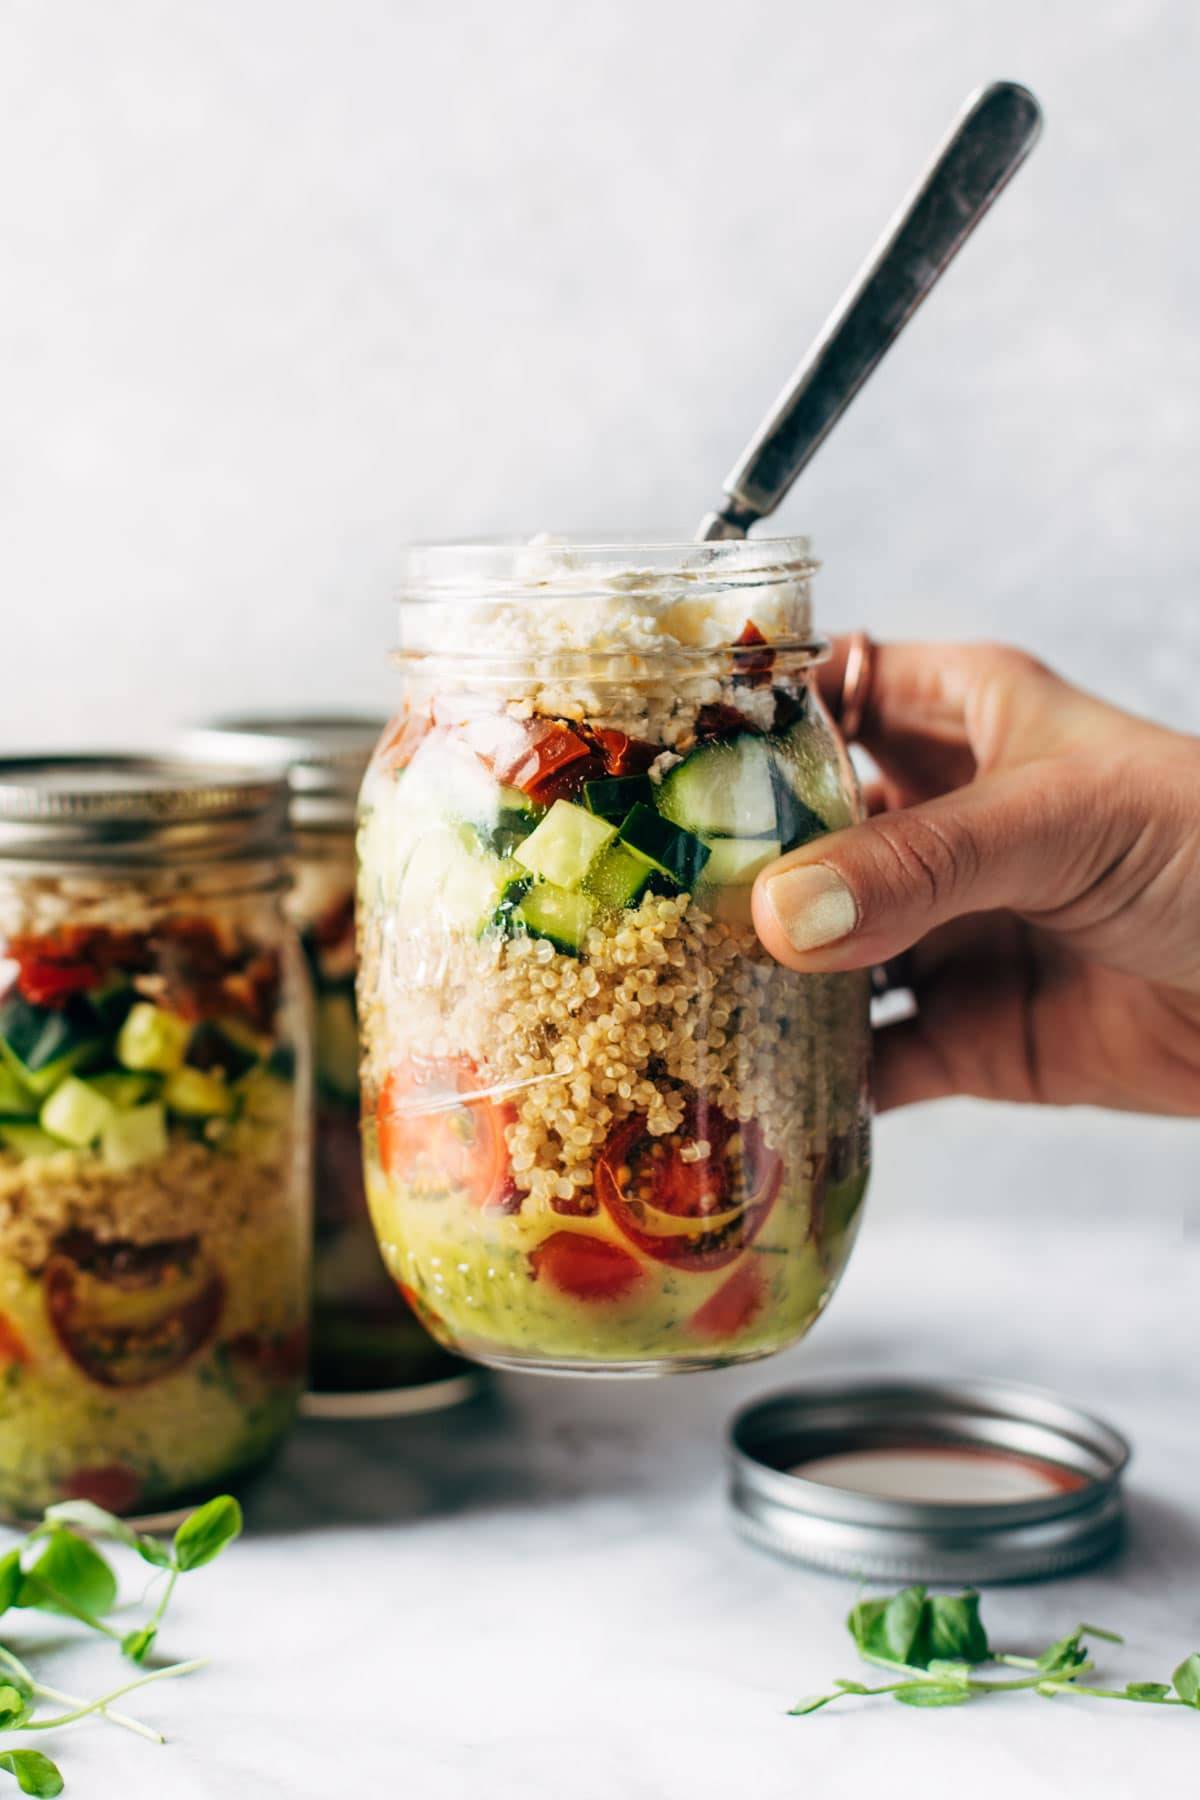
(604, 1131)
(154, 1131)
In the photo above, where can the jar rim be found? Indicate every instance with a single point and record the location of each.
(523, 567)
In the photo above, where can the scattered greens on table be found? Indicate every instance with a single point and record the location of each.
(58, 1569)
(933, 1643)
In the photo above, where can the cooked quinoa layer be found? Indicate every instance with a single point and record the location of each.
(192, 1191)
(661, 712)
(671, 1002)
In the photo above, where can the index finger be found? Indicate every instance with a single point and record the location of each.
(982, 698)
(919, 688)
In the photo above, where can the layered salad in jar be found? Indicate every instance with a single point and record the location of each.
(368, 1354)
(603, 1129)
(154, 1190)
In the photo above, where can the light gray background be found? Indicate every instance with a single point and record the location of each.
(287, 283)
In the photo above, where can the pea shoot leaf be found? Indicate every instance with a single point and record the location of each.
(1147, 1690)
(70, 1575)
(92, 1519)
(206, 1532)
(35, 1773)
(137, 1645)
(865, 1625)
(1068, 1653)
(10, 1579)
(903, 1624)
(14, 1706)
(916, 1628)
(1186, 1679)
(953, 1628)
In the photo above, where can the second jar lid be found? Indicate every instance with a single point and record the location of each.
(324, 755)
(140, 809)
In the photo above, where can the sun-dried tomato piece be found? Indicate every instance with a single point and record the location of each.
(752, 669)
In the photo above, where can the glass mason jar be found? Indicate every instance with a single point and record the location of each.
(604, 1132)
(154, 1131)
(369, 1353)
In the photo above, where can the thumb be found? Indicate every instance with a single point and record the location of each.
(1031, 840)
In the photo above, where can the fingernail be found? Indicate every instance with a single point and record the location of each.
(813, 905)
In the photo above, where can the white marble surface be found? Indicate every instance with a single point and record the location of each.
(542, 1597)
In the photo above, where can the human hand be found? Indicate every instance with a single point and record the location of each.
(1038, 851)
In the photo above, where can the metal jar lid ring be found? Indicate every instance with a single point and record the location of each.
(118, 809)
(973, 1481)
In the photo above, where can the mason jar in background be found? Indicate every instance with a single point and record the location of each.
(155, 1166)
(604, 1131)
(369, 1354)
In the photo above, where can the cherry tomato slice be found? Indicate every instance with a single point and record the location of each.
(128, 1314)
(437, 1132)
(584, 1267)
(734, 1306)
(695, 1213)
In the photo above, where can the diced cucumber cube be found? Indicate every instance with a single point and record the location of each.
(43, 1081)
(511, 828)
(136, 1136)
(452, 885)
(613, 795)
(728, 880)
(668, 848)
(797, 823)
(619, 879)
(76, 1113)
(337, 1044)
(734, 862)
(566, 844)
(725, 789)
(508, 823)
(16, 1100)
(41, 1045)
(195, 1094)
(513, 799)
(125, 1089)
(27, 1141)
(153, 1039)
(808, 766)
(556, 914)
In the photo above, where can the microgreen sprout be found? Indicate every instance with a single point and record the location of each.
(934, 1644)
(58, 1568)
